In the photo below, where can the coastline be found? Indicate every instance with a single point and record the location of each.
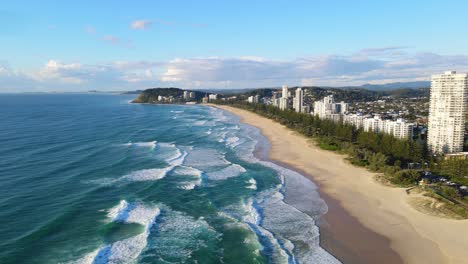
(366, 222)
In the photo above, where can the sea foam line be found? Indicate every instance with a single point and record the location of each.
(189, 171)
(157, 173)
(150, 144)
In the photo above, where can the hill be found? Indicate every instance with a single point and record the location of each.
(151, 95)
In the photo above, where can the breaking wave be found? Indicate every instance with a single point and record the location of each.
(126, 250)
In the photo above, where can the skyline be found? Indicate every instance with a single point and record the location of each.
(54, 46)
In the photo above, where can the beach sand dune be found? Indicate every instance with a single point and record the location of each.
(415, 236)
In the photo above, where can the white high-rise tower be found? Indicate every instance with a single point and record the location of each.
(448, 105)
(299, 100)
(284, 98)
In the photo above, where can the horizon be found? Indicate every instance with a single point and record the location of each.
(379, 87)
(62, 47)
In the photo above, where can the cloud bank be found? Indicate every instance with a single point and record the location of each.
(380, 65)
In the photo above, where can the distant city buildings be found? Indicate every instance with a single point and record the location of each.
(327, 108)
(189, 95)
(447, 109)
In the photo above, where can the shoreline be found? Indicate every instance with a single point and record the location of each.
(364, 216)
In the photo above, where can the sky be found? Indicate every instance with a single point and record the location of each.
(130, 45)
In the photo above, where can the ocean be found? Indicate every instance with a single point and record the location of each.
(92, 178)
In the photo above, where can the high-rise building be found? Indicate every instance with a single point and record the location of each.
(447, 109)
(275, 100)
(186, 95)
(284, 91)
(284, 100)
(299, 100)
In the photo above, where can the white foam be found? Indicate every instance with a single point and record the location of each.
(253, 184)
(88, 258)
(157, 173)
(222, 136)
(126, 250)
(187, 186)
(244, 211)
(247, 213)
(291, 226)
(205, 158)
(151, 144)
(233, 142)
(189, 171)
(177, 111)
(252, 216)
(179, 235)
(232, 170)
(119, 211)
(199, 122)
(148, 174)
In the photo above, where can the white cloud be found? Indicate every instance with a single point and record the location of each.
(141, 24)
(241, 72)
(117, 41)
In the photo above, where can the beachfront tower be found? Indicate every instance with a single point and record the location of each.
(447, 109)
(284, 98)
(299, 100)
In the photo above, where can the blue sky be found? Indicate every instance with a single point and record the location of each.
(121, 45)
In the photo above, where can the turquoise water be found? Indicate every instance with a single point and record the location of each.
(88, 178)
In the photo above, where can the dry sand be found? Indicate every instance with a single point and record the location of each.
(415, 236)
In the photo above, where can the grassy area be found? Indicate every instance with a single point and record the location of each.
(425, 200)
(452, 204)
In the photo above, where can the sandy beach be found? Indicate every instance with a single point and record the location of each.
(367, 221)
